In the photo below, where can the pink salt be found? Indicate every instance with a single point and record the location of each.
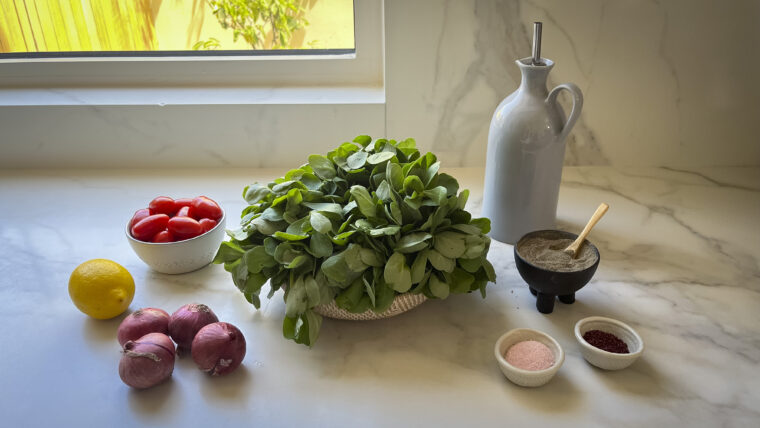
(530, 355)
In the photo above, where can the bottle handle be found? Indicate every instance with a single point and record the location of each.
(575, 91)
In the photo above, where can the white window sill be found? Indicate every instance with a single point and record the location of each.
(191, 96)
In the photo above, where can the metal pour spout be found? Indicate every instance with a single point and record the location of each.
(537, 44)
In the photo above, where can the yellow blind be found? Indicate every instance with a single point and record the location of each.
(76, 25)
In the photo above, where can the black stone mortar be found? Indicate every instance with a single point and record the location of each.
(547, 284)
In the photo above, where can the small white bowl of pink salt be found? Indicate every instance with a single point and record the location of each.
(528, 357)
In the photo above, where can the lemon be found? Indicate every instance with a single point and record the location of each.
(101, 288)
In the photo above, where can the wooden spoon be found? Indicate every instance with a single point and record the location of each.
(573, 248)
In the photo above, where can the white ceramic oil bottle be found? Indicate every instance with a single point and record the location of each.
(526, 149)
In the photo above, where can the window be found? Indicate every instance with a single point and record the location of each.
(205, 110)
(50, 28)
(338, 47)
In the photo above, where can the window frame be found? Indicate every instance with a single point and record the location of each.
(364, 67)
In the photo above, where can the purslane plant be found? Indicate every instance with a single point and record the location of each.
(369, 221)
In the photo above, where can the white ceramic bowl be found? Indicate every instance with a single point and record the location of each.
(183, 256)
(603, 359)
(530, 378)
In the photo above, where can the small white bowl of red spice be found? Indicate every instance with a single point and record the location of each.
(608, 343)
(177, 235)
(528, 357)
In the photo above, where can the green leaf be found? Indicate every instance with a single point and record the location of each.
(370, 291)
(370, 257)
(476, 246)
(290, 236)
(450, 244)
(325, 206)
(440, 261)
(413, 184)
(437, 287)
(266, 227)
(460, 281)
(364, 200)
(357, 159)
(298, 261)
(364, 304)
(384, 231)
(228, 252)
(380, 157)
(431, 172)
(342, 238)
(322, 167)
(413, 242)
(335, 268)
(295, 300)
(351, 296)
(363, 140)
(273, 213)
(449, 182)
(437, 195)
(285, 253)
(384, 296)
(320, 245)
(384, 192)
(252, 287)
(418, 267)
(466, 228)
(462, 199)
(483, 223)
(352, 256)
(488, 267)
(395, 212)
(312, 291)
(397, 274)
(270, 245)
(394, 175)
(319, 222)
(255, 192)
(470, 265)
(257, 259)
(313, 324)
(289, 327)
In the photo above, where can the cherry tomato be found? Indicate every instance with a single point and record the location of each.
(183, 202)
(163, 236)
(207, 224)
(147, 228)
(184, 227)
(185, 211)
(162, 205)
(139, 215)
(204, 207)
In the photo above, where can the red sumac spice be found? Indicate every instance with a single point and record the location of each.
(606, 341)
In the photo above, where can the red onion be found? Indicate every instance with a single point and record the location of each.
(142, 322)
(187, 320)
(218, 348)
(147, 361)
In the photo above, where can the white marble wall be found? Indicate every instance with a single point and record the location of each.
(666, 83)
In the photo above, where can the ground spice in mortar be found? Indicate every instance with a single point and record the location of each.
(530, 355)
(606, 341)
(547, 252)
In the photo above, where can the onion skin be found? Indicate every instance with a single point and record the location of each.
(147, 361)
(142, 322)
(218, 348)
(186, 321)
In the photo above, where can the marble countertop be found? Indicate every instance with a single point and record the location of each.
(680, 263)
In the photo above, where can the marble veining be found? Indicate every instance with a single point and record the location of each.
(680, 262)
(657, 93)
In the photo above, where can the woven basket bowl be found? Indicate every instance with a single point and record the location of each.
(401, 303)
